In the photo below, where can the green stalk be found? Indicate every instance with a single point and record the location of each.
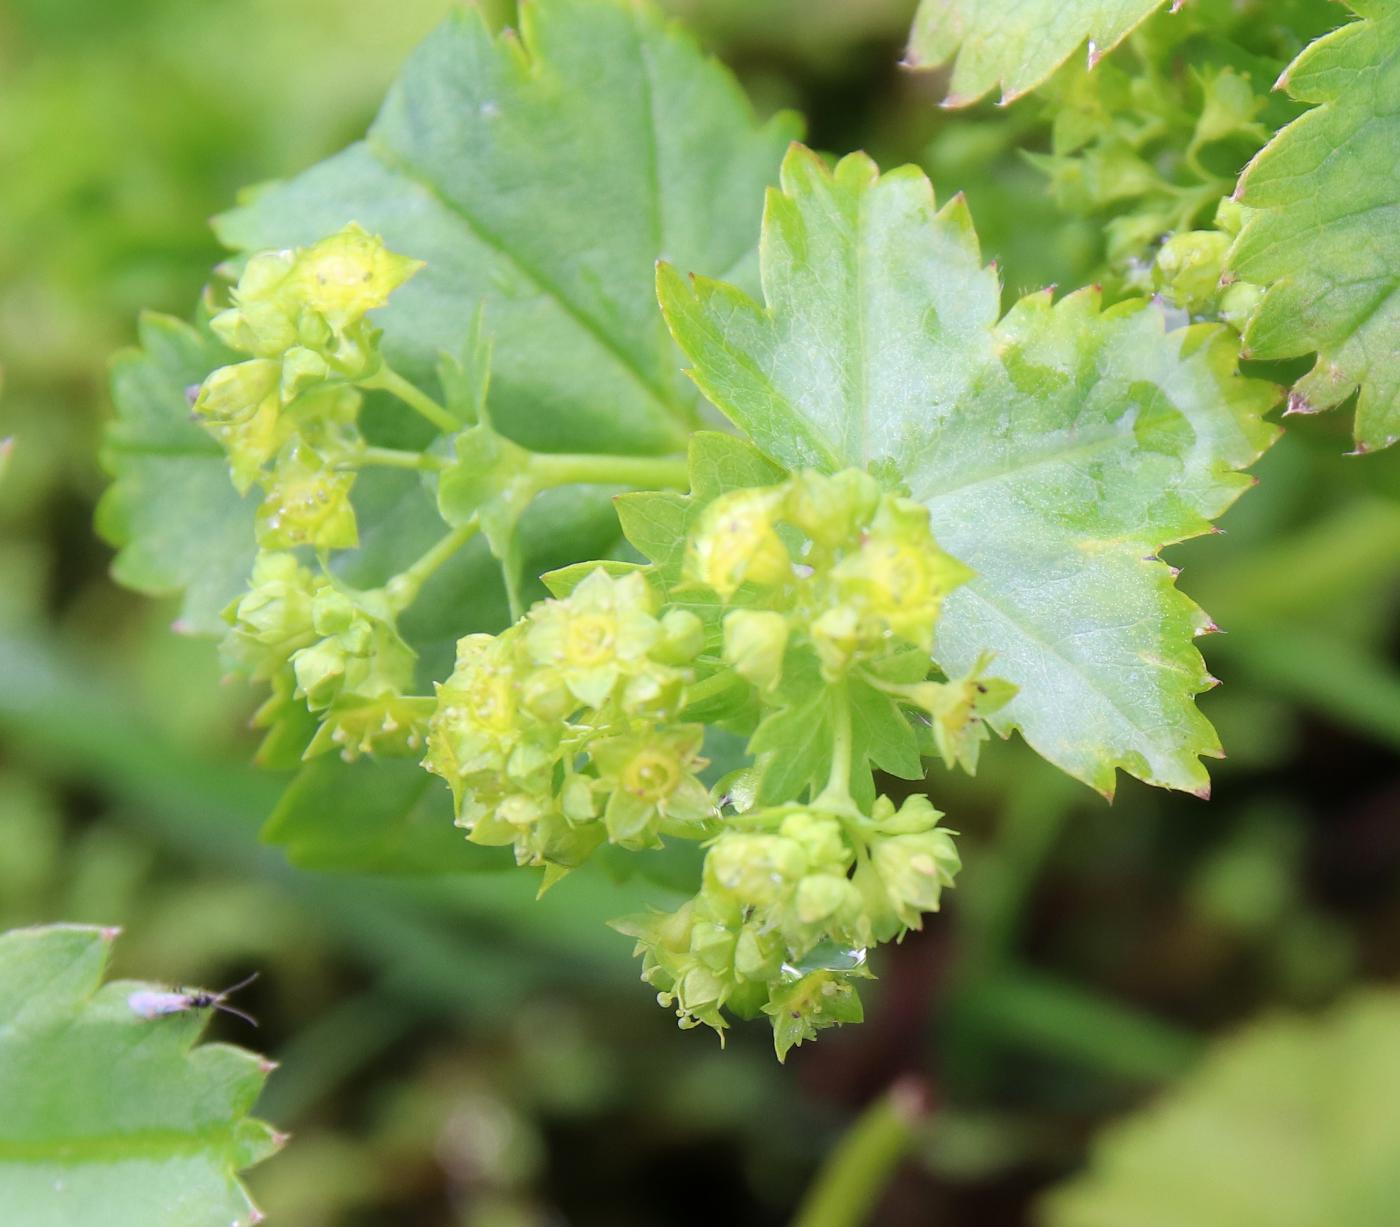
(389, 380)
(392, 458)
(848, 1186)
(837, 792)
(645, 472)
(404, 588)
(1026, 1009)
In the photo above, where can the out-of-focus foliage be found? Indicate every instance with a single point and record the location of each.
(1148, 140)
(1292, 1122)
(1015, 43)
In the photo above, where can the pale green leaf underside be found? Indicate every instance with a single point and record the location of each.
(111, 1119)
(545, 175)
(178, 522)
(1325, 234)
(1058, 449)
(1291, 1123)
(1016, 44)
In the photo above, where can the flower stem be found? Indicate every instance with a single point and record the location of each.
(646, 472)
(848, 1186)
(837, 792)
(392, 458)
(403, 589)
(389, 380)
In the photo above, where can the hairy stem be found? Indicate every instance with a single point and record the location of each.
(404, 588)
(389, 380)
(848, 1186)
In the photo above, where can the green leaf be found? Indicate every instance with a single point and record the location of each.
(721, 463)
(176, 519)
(1290, 1123)
(1057, 449)
(1015, 43)
(543, 174)
(791, 747)
(883, 735)
(564, 580)
(1323, 237)
(111, 1117)
(372, 816)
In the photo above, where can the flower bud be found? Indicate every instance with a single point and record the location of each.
(319, 669)
(737, 542)
(832, 511)
(307, 505)
(1239, 302)
(914, 869)
(233, 394)
(1188, 268)
(836, 635)
(682, 638)
(756, 870)
(820, 838)
(332, 612)
(821, 896)
(577, 799)
(302, 368)
(754, 643)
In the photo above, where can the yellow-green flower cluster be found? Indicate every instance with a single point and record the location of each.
(834, 560)
(784, 916)
(335, 650)
(560, 733)
(287, 416)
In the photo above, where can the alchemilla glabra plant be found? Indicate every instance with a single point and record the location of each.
(652, 479)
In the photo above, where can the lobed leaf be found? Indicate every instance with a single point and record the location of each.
(179, 525)
(1058, 449)
(371, 816)
(110, 1117)
(544, 174)
(1323, 231)
(1016, 44)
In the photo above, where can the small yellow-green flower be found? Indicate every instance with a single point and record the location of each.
(898, 576)
(832, 510)
(912, 860)
(307, 503)
(738, 543)
(479, 720)
(654, 789)
(754, 643)
(273, 619)
(343, 277)
(958, 709)
(600, 633)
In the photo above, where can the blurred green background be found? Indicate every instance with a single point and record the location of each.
(455, 1054)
